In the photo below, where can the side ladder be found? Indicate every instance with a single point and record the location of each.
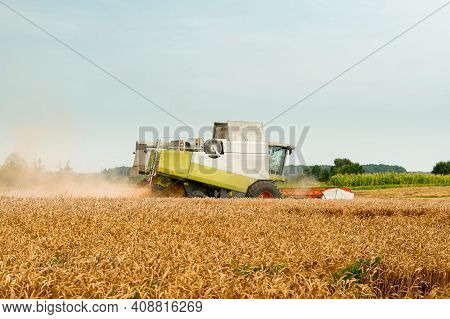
(154, 164)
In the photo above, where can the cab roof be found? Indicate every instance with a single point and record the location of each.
(288, 146)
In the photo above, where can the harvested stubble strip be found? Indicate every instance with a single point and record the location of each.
(206, 248)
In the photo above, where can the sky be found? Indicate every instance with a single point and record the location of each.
(206, 61)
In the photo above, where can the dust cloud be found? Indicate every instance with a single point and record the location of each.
(53, 136)
(76, 187)
(303, 182)
(17, 179)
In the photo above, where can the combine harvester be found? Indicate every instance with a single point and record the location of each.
(237, 162)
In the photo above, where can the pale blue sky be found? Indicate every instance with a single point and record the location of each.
(208, 61)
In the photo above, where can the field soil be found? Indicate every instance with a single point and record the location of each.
(207, 248)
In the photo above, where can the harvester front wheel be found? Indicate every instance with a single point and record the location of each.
(263, 189)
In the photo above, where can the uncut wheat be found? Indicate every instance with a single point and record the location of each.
(207, 248)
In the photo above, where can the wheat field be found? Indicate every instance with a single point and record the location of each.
(209, 248)
(423, 192)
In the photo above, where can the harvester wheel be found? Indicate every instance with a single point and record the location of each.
(263, 189)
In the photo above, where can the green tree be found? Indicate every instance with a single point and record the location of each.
(38, 165)
(339, 162)
(14, 171)
(382, 168)
(324, 175)
(15, 161)
(66, 169)
(315, 171)
(346, 166)
(441, 168)
(353, 168)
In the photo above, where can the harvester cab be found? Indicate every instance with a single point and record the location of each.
(236, 162)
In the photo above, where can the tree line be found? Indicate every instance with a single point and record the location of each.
(344, 166)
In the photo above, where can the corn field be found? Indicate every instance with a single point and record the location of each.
(380, 179)
(209, 248)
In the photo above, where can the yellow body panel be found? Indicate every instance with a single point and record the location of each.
(174, 162)
(178, 164)
(219, 178)
(279, 178)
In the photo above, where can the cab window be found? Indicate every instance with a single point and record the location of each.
(276, 159)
